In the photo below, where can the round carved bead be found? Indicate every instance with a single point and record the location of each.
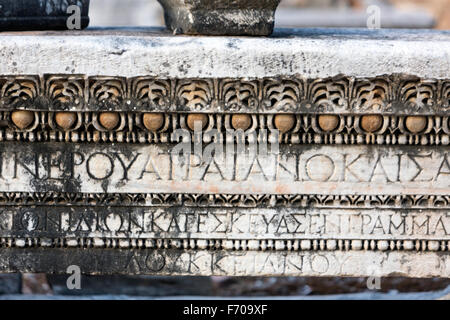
(66, 120)
(416, 124)
(22, 119)
(109, 120)
(371, 123)
(328, 122)
(196, 117)
(284, 122)
(153, 121)
(241, 121)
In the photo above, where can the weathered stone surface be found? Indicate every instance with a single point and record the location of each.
(230, 262)
(220, 17)
(310, 53)
(41, 14)
(296, 227)
(169, 168)
(341, 173)
(291, 216)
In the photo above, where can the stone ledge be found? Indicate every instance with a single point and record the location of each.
(313, 53)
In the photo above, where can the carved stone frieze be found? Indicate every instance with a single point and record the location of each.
(151, 127)
(176, 155)
(395, 94)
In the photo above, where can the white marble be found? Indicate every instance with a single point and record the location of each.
(312, 53)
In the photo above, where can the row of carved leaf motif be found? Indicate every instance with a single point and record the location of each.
(210, 124)
(382, 94)
(224, 200)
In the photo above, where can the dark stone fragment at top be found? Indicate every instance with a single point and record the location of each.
(220, 17)
(25, 15)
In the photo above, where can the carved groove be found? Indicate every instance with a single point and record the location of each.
(224, 200)
(229, 245)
